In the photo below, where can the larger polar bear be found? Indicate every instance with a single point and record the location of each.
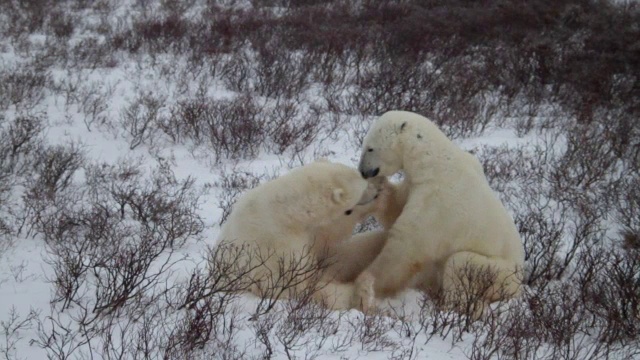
(446, 224)
(289, 227)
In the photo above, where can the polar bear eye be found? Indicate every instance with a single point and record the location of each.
(370, 149)
(348, 212)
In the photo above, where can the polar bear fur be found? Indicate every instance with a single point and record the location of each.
(443, 220)
(299, 218)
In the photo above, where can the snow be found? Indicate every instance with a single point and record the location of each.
(25, 280)
(25, 283)
(26, 274)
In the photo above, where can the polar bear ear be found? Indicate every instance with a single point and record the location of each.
(338, 195)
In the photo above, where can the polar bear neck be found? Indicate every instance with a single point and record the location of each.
(426, 153)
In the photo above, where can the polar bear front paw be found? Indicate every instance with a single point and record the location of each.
(364, 295)
(379, 184)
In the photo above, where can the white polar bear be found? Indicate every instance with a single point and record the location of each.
(292, 224)
(442, 220)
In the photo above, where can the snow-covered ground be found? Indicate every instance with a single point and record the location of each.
(84, 104)
(26, 276)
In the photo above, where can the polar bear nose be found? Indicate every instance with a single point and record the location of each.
(370, 173)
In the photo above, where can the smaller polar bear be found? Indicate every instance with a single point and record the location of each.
(292, 224)
(442, 221)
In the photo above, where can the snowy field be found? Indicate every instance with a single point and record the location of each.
(129, 128)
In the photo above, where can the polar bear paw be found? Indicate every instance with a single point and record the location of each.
(364, 295)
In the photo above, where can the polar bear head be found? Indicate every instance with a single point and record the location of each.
(333, 190)
(382, 146)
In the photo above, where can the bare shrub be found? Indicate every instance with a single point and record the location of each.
(296, 276)
(140, 117)
(22, 138)
(206, 304)
(507, 333)
(286, 315)
(186, 121)
(560, 198)
(550, 323)
(586, 169)
(27, 16)
(225, 274)
(554, 218)
(124, 234)
(609, 281)
(211, 313)
(55, 167)
(567, 68)
(622, 134)
(236, 131)
(409, 330)
(10, 330)
(465, 109)
(397, 84)
(303, 316)
(503, 167)
(628, 211)
(58, 337)
(291, 128)
(194, 318)
(153, 33)
(279, 73)
(23, 87)
(236, 73)
(232, 185)
(231, 129)
(93, 103)
(160, 33)
(22, 141)
(263, 328)
(542, 234)
(372, 332)
(61, 24)
(92, 53)
(436, 86)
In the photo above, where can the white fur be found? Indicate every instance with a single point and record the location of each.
(443, 217)
(308, 211)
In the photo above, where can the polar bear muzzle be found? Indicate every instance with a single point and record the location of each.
(369, 173)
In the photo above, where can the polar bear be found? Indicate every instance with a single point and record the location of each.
(291, 224)
(445, 224)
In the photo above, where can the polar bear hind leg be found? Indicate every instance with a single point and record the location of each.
(471, 281)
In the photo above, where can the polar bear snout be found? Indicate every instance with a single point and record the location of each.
(369, 173)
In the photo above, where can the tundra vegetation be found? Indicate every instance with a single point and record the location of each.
(235, 81)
